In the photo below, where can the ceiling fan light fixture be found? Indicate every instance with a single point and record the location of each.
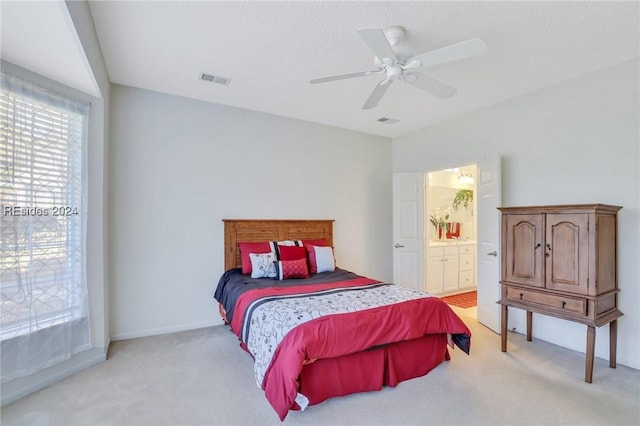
(412, 65)
(394, 72)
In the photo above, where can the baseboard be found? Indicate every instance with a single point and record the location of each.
(23, 386)
(162, 330)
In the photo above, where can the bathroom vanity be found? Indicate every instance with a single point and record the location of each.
(451, 266)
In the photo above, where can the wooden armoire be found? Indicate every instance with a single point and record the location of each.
(562, 261)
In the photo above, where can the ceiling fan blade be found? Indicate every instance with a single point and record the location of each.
(454, 52)
(343, 76)
(378, 42)
(433, 86)
(377, 94)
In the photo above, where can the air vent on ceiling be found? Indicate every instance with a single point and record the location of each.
(387, 120)
(215, 79)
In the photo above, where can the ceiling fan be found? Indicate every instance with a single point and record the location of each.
(395, 62)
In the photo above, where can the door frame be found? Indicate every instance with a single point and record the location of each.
(491, 312)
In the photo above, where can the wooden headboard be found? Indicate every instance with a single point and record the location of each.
(258, 230)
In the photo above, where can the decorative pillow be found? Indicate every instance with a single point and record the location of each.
(321, 259)
(291, 253)
(247, 248)
(287, 269)
(262, 265)
(288, 243)
(276, 245)
(321, 242)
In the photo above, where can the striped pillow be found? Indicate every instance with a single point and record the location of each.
(277, 245)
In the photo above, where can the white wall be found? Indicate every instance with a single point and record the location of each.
(81, 23)
(179, 166)
(576, 142)
(97, 231)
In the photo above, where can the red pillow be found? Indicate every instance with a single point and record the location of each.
(291, 253)
(246, 248)
(321, 242)
(287, 269)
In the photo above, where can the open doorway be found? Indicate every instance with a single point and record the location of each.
(451, 230)
(412, 240)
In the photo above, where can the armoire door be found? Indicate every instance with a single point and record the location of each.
(524, 235)
(567, 252)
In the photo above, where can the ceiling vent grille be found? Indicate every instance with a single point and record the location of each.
(387, 120)
(215, 79)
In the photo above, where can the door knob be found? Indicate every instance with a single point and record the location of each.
(493, 253)
(398, 245)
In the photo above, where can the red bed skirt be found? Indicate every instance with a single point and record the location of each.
(372, 369)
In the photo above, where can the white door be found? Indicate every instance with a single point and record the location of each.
(488, 201)
(408, 229)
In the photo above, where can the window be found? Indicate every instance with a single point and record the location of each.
(43, 220)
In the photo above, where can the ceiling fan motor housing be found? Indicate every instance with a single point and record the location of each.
(394, 36)
(402, 53)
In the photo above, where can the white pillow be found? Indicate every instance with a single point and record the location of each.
(324, 259)
(262, 265)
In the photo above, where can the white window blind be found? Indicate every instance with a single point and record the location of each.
(43, 293)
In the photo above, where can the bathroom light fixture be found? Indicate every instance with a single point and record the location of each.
(466, 178)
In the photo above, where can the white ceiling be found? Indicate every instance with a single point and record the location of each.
(271, 50)
(40, 37)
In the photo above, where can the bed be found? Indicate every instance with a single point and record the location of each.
(312, 338)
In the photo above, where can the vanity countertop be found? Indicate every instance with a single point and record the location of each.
(451, 243)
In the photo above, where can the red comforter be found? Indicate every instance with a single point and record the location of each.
(344, 333)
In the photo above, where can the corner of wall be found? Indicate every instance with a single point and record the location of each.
(97, 226)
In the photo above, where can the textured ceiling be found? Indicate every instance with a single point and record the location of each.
(271, 50)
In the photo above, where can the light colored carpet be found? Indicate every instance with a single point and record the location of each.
(202, 377)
